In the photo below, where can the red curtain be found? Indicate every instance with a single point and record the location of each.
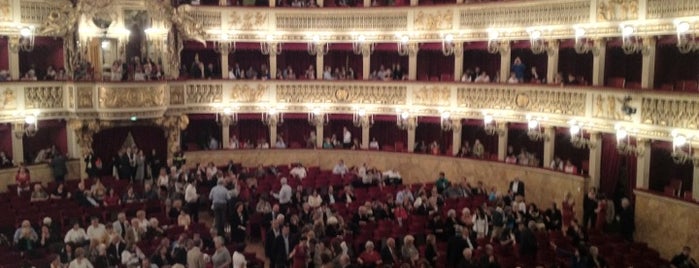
(618, 172)
(341, 55)
(6, 139)
(250, 128)
(107, 143)
(51, 133)
(663, 169)
(566, 151)
(476, 55)
(387, 132)
(619, 64)
(473, 130)
(529, 59)
(672, 66)
(517, 138)
(570, 62)
(199, 131)
(295, 129)
(430, 130)
(47, 52)
(248, 55)
(433, 65)
(4, 54)
(296, 56)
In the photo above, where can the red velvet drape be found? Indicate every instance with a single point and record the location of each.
(47, 52)
(472, 130)
(199, 131)
(107, 143)
(341, 55)
(476, 55)
(6, 139)
(51, 132)
(386, 132)
(250, 127)
(517, 138)
(566, 151)
(672, 66)
(618, 172)
(619, 64)
(295, 129)
(430, 130)
(4, 54)
(663, 169)
(523, 51)
(433, 65)
(570, 62)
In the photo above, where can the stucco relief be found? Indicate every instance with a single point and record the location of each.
(617, 10)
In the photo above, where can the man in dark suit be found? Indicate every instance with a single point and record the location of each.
(457, 244)
(270, 238)
(389, 253)
(517, 187)
(283, 245)
(528, 245)
(115, 249)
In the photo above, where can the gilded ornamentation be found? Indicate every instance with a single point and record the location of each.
(208, 19)
(522, 101)
(5, 12)
(246, 93)
(132, 97)
(85, 98)
(199, 94)
(328, 93)
(173, 125)
(660, 9)
(43, 97)
(8, 99)
(540, 13)
(389, 21)
(544, 101)
(678, 113)
(180, 18)
(617, 10)
(85, 130)
(433, 20)
(608, 107)
(247, 20)
(176, 95)
(433, 95)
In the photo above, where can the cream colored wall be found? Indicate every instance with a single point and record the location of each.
(666, 224)
(542, 186)
(40, 173)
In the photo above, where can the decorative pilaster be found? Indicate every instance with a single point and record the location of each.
(273, 63)
(648, 67)
(224, 65)
(320, 66)
(225, 132)
(549, 144)
(412, 125)
(456, 130)
(272, 135)
(458, 60)
(412, 59)
(643, 164)
(17, 146)
(319, 136)
(598, 62)
(552, 63)
(595, 160)
(366, 65)
(365, 135)
(505, 62)
(502, 140)
(13, 59)
(173, 126)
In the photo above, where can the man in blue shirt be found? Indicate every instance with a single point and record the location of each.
(219, 203)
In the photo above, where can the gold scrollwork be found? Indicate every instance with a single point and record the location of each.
(8, 99)
(134, 97)
(5, 14)
(616, 10)
(679, 113)
(545, 101)
(433, 20)
(328, 93)
(85, 98)
(43, 97)
(433, 95)
(176, 95)
(247, 93)
(248, 20)
(204, 93)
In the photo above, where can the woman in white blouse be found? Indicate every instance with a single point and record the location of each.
(80, 261)
(315, 200)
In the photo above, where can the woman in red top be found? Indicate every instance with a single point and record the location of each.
(369, 258)
(567, 212)
(22, 179)
(601, 213)
(299, 256)
(112, 199)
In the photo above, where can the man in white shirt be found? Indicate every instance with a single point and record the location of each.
(340, 168)
(132, 256)
(346, 138)
(284, 195)
(373, 145)
(96, 230)
(299, 172)
(191, 199)
(76, 235)
(239, 259)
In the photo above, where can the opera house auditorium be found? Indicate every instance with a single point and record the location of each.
(349, 133)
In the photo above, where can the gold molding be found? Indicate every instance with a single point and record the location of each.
(131, 97)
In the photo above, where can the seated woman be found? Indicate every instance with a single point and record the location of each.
(130, 196)
(39, 194)
(84, 197)
(111, 199)
(60, 192)
(25, 237)
(98, 190)
(184, 220)
(22, 178)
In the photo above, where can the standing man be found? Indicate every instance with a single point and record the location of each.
(219, 199)
(589, 207)
(90, 164)
(191, 199)
(284, 196)
(58, 167)
(346, 138)
(517, 187)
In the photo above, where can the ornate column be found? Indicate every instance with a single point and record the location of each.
(456, 130)
(502, 133)
(643, 164)
(412, 59)
(319, 66)
(224, 64)
(552, 63)
(411, 125)
(505, 59)
(366, 126)
(458, 61)
(273, 62)
(17, 146)
(13, 58)
(173, 126)
(549, 144)
(225, 131)
(366, 65)
(598, 62)
(595, 161)
(272, 135)
(648, 67)
(319, 135)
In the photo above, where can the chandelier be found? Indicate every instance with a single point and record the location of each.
(362, 47)
(631, 43)
(405, 121)
(270, 46)
(577, 136)
(537, 44)
(623, 143)
(227, 117)
(534, 129)
(317, 118)
(273, 117)
(490, 127)
(495, 45)
(26, 126)
(25, 40)
(361, 119)
(445, 121)
(584, 45)
(449, 47)
(405, 47)
(317, 47)
(682, 149)
(686, 41)
(224, 44)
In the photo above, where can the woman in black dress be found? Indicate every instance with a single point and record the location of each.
(239, 224)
